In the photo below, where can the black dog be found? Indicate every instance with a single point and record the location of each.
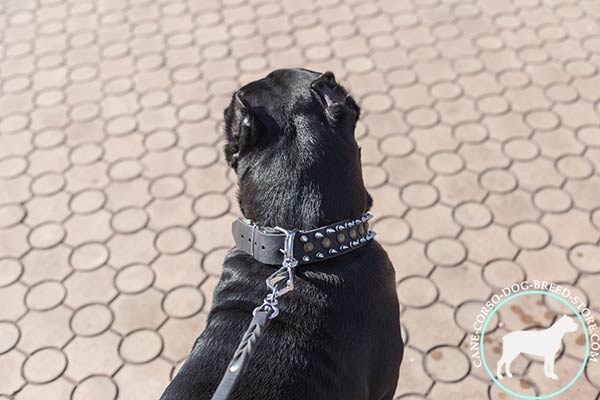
(290, 138)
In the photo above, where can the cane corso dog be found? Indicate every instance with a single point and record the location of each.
(290, 139)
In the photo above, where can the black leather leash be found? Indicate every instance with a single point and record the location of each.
(274, 246)
(242, 355)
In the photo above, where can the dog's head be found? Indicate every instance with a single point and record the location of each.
(290, 139)
(568, 323)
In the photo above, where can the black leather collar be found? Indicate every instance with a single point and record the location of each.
(266, 244)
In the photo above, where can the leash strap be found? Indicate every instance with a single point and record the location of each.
(242, 355)
(280, 282)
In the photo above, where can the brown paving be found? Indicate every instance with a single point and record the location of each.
(481, 145)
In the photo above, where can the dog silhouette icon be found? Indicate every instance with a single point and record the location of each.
(543, 343)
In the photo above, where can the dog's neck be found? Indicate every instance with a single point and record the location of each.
(281, 191)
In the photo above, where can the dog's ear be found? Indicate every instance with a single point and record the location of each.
(337, 100)
(241, 130)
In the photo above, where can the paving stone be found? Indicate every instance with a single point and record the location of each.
(480, 147)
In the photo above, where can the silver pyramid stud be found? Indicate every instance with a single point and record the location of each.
(340, 227)
(362, 240)
(329, 231)
(306, 258)
(367, 217)
(357, 221)
(344, 247)
(333, 252)
(319, 255)
(304, 238)
(318, 235)
(349, 224)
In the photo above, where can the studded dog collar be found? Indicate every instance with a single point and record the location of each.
(266, 244)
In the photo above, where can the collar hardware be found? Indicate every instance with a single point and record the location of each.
(267, 244)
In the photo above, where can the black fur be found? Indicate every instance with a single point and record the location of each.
(290, 138)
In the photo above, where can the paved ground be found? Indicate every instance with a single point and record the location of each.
(481, 145)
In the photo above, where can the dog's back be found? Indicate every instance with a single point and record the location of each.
(334, 338)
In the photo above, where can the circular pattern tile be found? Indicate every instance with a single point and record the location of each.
(420, 194)
(49, 97)
(596, 218)
(9, 336)
(13, 123)
(521, 149)
(45, 295)
(193, 112)
(529, 235)
(167, 187)
(552, 200)
(46, 235)
(121, 125)
(318, 53)
(12, 166)
(575, 167)
(11, 269)
(472, 215)
(514, 79)
(401, 77)
(11, 214)
(498, 180)
(501, 273)
(140, 347)
(359, 65)
(470, 133)
(447, 252)
(125, 170)
(466, 316)
(151, 62)
(160, 140)
(392, 230)
(211, 205)
(445, 163)
(183, 302)
(48, 184)
(201, 156)
(422, 117)
(85, 112)
(95, 387)
(397, 146)
(134, 279)
(377, 102)
(562, 93)
(446, 91)
(48, 138)
(254, 63)
(542, 120)
(174, 240)
(87, 201)
(589, 135)
(89, 256)
(447, 364)
(493, 105)
(585, 257)
(154, 99)
(91, 320)
(374, 176)
(129, 220)
(417, 291)
(16, 84)
(581, 68)
(44, 365)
